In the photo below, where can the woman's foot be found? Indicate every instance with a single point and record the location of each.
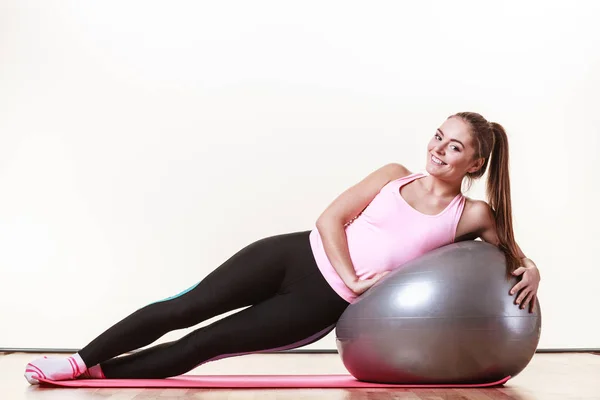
(94, 372)
(54, 368)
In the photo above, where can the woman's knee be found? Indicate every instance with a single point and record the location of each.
(170, 313)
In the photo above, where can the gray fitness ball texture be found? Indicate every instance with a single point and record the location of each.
(445, 317)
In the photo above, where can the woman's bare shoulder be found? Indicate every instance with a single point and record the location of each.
(397, 170)
(477, 209)
(476, 216)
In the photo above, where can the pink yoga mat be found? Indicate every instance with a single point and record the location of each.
(252, 381)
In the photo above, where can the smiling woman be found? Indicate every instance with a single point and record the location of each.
(464, 146)
(297, 285)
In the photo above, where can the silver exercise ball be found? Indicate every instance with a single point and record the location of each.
(445, 317)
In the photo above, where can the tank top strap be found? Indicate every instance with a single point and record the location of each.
(458, 208)
(409, 178)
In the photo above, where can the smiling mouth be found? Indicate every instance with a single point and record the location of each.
(437, 161)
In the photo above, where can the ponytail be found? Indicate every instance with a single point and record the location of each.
(491, 143)
(498, 193)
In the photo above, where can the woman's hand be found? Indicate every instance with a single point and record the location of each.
(360, 286)
(528, 286)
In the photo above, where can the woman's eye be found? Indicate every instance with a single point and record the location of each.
(454, 148)
(437, 136)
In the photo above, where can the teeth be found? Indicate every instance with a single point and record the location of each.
(437, 160)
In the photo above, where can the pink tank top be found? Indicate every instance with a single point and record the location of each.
(389, 233)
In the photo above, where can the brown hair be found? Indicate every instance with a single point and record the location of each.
(491, 143)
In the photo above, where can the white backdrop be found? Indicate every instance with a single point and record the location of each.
(143, 143)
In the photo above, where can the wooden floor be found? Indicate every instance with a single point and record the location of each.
(548, 377)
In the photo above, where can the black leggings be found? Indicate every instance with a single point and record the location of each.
(291, 305)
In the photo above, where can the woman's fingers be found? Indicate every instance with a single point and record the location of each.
(532, 302)
(526, 300)
(517, 287)
(523, 298)
(366, 284)
(381, 274)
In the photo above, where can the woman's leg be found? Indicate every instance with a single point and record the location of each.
(249, 277)
(292, 318)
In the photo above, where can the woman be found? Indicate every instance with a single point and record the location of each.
(298, 284)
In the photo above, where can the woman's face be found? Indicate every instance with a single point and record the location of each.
(450, 151)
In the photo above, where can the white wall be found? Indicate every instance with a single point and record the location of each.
(143, 143)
